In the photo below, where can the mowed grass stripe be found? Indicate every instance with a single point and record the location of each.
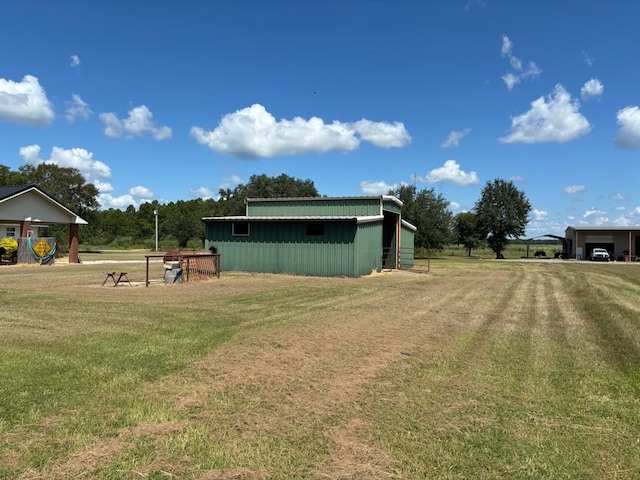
(476, 370)
(517, 410)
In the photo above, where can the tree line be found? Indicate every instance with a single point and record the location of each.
(500, 214)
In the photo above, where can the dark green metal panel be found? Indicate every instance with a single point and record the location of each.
(407, 236)
(284, 247)
(369, 247)
(363, 206)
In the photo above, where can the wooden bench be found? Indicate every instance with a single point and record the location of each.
(122, 278)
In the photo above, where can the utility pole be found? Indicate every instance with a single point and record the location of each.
(155, 213)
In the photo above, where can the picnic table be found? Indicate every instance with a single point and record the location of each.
(122, 278)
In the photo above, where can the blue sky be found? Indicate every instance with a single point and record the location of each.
(171, 100)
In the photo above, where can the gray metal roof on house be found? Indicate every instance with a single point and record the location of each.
(7, 191)
(289, 218)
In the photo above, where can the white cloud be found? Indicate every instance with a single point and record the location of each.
(451, 172)
(595, 217)
(591, 89)
(228, 182)
(587, 59)
(376, 188)
(201, 192)
(75, 60)
(520, 72)
(629, 132)
(135, 196)
(382, 134)
(571, 189)
(453, 206)
(618, 197)
(141, 192)
(254, 133)
(24, 102)
(77, 158)
(453, 140)
(539, 215)
(103, 187)
(138, 123)
(121, 202)
(555, 119)
(517, 179)
(77, 108)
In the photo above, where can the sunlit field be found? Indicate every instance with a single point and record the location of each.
(478, 369)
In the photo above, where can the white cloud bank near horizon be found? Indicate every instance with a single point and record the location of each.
(253, 132)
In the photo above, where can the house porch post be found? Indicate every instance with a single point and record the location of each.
(73, 243)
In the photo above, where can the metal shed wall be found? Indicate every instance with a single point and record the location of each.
(284, 247)
(391, 206)
(368, 243)
(363, 206)
(407, 236)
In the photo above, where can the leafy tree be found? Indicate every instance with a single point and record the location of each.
(261, 186)
(65, 184)
(466, 231)
(502, 213)
(9, 177)
(429, 213)
(183, 222)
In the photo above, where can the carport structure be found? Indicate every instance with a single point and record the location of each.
(618, 241)
(564, 241)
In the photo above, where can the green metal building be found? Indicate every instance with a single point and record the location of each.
(327, 237)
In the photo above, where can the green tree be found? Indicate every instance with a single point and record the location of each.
(466, 231)
(65, 184)
(502, 213)
(231, 202)
(429, 213)
(9, 177)
(182, 221)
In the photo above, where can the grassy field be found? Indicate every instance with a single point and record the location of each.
(480, 369)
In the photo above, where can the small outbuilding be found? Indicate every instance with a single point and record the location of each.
(620, 242)
(25, 208)
(324, 236)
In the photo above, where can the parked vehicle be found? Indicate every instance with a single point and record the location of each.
(599, 254)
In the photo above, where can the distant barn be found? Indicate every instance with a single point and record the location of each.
(328, 237)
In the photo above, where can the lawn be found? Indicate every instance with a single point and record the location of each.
(478, 369)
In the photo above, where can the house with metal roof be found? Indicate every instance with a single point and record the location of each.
(25, 208)
(620, 242)
(324, 236)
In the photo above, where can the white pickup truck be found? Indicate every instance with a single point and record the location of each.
(599, 254)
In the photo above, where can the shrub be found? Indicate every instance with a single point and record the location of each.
(9, 245)
(8, 248)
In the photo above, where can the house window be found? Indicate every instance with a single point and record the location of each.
(11, 231)
(315, 229)
(240, 229)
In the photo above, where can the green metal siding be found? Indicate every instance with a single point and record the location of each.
(315, 207)
(284, 247)
(391, 206)
(407, 236)
(369, 248)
